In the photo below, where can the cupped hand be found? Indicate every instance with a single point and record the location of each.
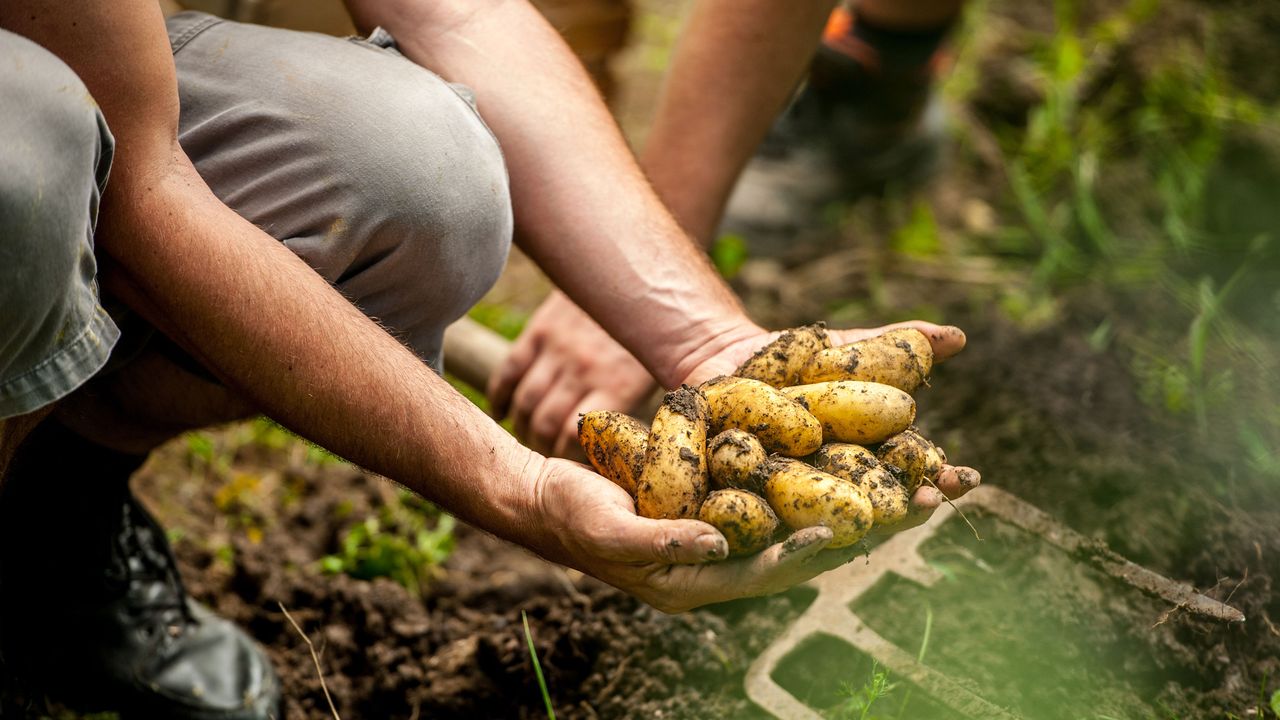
(674, 565)
(561, 365)
(947, 341)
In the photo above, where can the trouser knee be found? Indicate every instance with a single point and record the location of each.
(374, 170)
(53, 333)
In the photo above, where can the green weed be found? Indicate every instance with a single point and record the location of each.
(537, 666)
(407, 541)
(728, 253)
(878, 688)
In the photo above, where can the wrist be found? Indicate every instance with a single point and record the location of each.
(540, 529)
(714, 340)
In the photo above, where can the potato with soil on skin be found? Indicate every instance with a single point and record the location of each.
(780, 362)
(856, 412)
(803, 497)
(734, 456)
(901, 358)
(781, 424)
(615, 444)
(673, 482)
(858, 465)
(744, 518)
(912, 453)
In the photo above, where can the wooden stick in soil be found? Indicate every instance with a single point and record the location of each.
(314, 658)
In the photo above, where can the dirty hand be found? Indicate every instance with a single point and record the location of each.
(947, 341)
(674, 565)
(563, 364)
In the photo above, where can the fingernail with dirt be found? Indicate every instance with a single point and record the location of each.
(712, 547)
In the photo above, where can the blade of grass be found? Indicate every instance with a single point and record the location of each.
(537, 667)
(315, 658)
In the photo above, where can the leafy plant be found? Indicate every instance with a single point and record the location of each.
(407, 541)
(878, 688)
(728, 253)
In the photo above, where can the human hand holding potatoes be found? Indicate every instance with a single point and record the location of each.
(836, 418)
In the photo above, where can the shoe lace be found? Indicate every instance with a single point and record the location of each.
(145, 560)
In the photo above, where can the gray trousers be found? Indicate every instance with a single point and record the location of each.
(375, 171)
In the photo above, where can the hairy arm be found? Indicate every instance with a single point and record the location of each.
(256, 315)
(736, 65)
(272, 329)
(584, 211)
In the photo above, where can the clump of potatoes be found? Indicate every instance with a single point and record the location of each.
(803, 434)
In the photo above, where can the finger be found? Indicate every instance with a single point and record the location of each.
(922, 506)
(947, 340)
(535, 384)
(567, 445)
(635, 539)
(798, 559)
(955, 481)
(502, 384)
(560, 402)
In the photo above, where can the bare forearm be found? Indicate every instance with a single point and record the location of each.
(273, 330)
(736, 65)
(256, 315)
(583, 209)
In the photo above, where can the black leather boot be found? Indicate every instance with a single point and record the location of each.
(92, 610)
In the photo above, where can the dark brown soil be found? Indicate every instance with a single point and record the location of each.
(460, 650)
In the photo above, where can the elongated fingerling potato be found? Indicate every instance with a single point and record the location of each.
(780, 362)
(918, 459)
(734, 456)
(804, 497)
(781, 424)
(673, 482)
(744, 518)
(615, 444)
(856, 412)
(859, 466)
(902, 358)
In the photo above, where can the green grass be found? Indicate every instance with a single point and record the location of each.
(1124, 188)
(537, 666)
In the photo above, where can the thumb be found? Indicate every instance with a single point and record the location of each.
(666, 542)
(947, 340)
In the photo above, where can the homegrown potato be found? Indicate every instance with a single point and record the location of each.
(804, 497)
(781, 424)
(859, 466)
(744, 518)
(734, 455)
(856, 412)
(615, 444)
(901, 358)
(913, 454)
(673, 482)
(780, 362)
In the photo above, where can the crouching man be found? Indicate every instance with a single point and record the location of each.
(202, 224)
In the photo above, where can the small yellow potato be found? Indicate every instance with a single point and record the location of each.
(781, 424)
(901, 358)
(804, 497)
(856, 412)
(780, 362)
(744, 518)
(734, 456)
(859, 466)
(917, 458)
(615, 444)
(673, 482)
